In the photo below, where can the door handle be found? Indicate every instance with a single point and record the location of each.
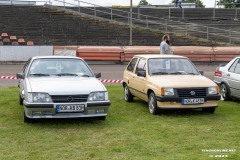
(228, 74)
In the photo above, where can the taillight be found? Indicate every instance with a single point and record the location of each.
(218, 73)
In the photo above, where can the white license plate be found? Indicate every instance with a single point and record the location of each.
(193, 101)
(70, 108)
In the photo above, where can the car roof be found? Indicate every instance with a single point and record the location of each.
(148, 56)
(56, 57)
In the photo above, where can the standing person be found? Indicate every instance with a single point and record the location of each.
(164, 46)
(180, 3)
(176, 3)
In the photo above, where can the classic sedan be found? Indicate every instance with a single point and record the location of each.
(228, 78)
(169, 82)
(61, 87)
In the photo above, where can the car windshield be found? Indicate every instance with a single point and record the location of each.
(171, 66)
(59, 67)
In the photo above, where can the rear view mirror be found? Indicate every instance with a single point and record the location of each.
(201, 72)
(141, 73)
(20, 75)
(97, 75)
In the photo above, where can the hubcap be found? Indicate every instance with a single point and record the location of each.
(151, 105)
(126, 93)
(223, 91)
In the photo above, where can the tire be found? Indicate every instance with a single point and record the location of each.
(225, 92)
(26, 119)
(127, 94)
(209, 110)
(101, 118)
(152, 104)
(20, 100)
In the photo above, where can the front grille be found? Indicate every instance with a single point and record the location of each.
(189, 92)
(69, 98)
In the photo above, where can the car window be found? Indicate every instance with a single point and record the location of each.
(237, 68)
(59, 67)
(232, 68)
(132, 65)
(141, 65)
(25, 67)
(158, 66)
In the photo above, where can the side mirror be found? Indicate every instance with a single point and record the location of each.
(141, 73)
(201, 72)
(20, 75)
(97, 75)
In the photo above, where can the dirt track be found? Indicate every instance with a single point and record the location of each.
(108, 72)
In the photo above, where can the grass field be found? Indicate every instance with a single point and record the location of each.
(129, 132)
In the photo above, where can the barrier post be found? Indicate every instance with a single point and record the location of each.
(207, 33)
(95, 12)
(186, 28)
(138, 12)
(147, 21)
(230, 39)
(182, 13)
(111, 13)
(79, 7)
(166, 29)
(169, 13)
(64, 3)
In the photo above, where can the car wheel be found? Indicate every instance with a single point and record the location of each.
(20, 100)
(152, 104)
(101, 118)
(209, 110)
(26, 119)
(127, 94)
(224, 92)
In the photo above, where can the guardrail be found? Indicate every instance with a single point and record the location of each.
(151, 22)
(125, 53)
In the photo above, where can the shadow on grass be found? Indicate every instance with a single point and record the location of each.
(66, 121)
(173, 112)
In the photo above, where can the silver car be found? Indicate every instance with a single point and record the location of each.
(228, 78)
(61, 87)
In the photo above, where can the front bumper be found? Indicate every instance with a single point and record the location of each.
(48, 110)
(176, 102)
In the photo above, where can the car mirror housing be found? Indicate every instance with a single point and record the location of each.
(97, 75)
(20, 75)
(141, 73)
(201, 72)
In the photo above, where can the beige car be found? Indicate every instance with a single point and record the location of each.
(169, 82)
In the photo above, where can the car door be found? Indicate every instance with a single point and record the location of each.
(139, 81)
(21, 81)
(233, 78)
(129, 74)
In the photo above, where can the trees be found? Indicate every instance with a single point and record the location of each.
(229, 3)
(198, 3)
(144, 2)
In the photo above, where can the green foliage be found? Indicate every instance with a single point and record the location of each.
(144, 2)
(229, 3)
(129, 132)
(198, 3)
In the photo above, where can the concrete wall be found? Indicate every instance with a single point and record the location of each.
(23, 53)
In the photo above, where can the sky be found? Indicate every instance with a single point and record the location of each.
(207, 3)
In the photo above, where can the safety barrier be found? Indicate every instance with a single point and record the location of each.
(101, 80)
(125, 53)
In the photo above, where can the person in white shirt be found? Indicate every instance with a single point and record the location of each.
(164, 46)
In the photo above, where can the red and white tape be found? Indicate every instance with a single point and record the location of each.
(101, 80)
(111, 81)
(8, 77)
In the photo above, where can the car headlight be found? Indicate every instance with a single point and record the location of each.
(167, 92)
(39, 98)
(98, 96)
(213, 90)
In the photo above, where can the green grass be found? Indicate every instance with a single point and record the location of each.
(129, 132)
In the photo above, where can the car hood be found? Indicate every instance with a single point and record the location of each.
(65, 85)
(182, 81)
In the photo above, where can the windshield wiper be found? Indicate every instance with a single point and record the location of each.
(66, 74)
(192, 73)
(159, 73)
(177, 73)
(39, 74)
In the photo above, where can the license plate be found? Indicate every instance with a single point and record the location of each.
(70, 108)
(193, 101)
